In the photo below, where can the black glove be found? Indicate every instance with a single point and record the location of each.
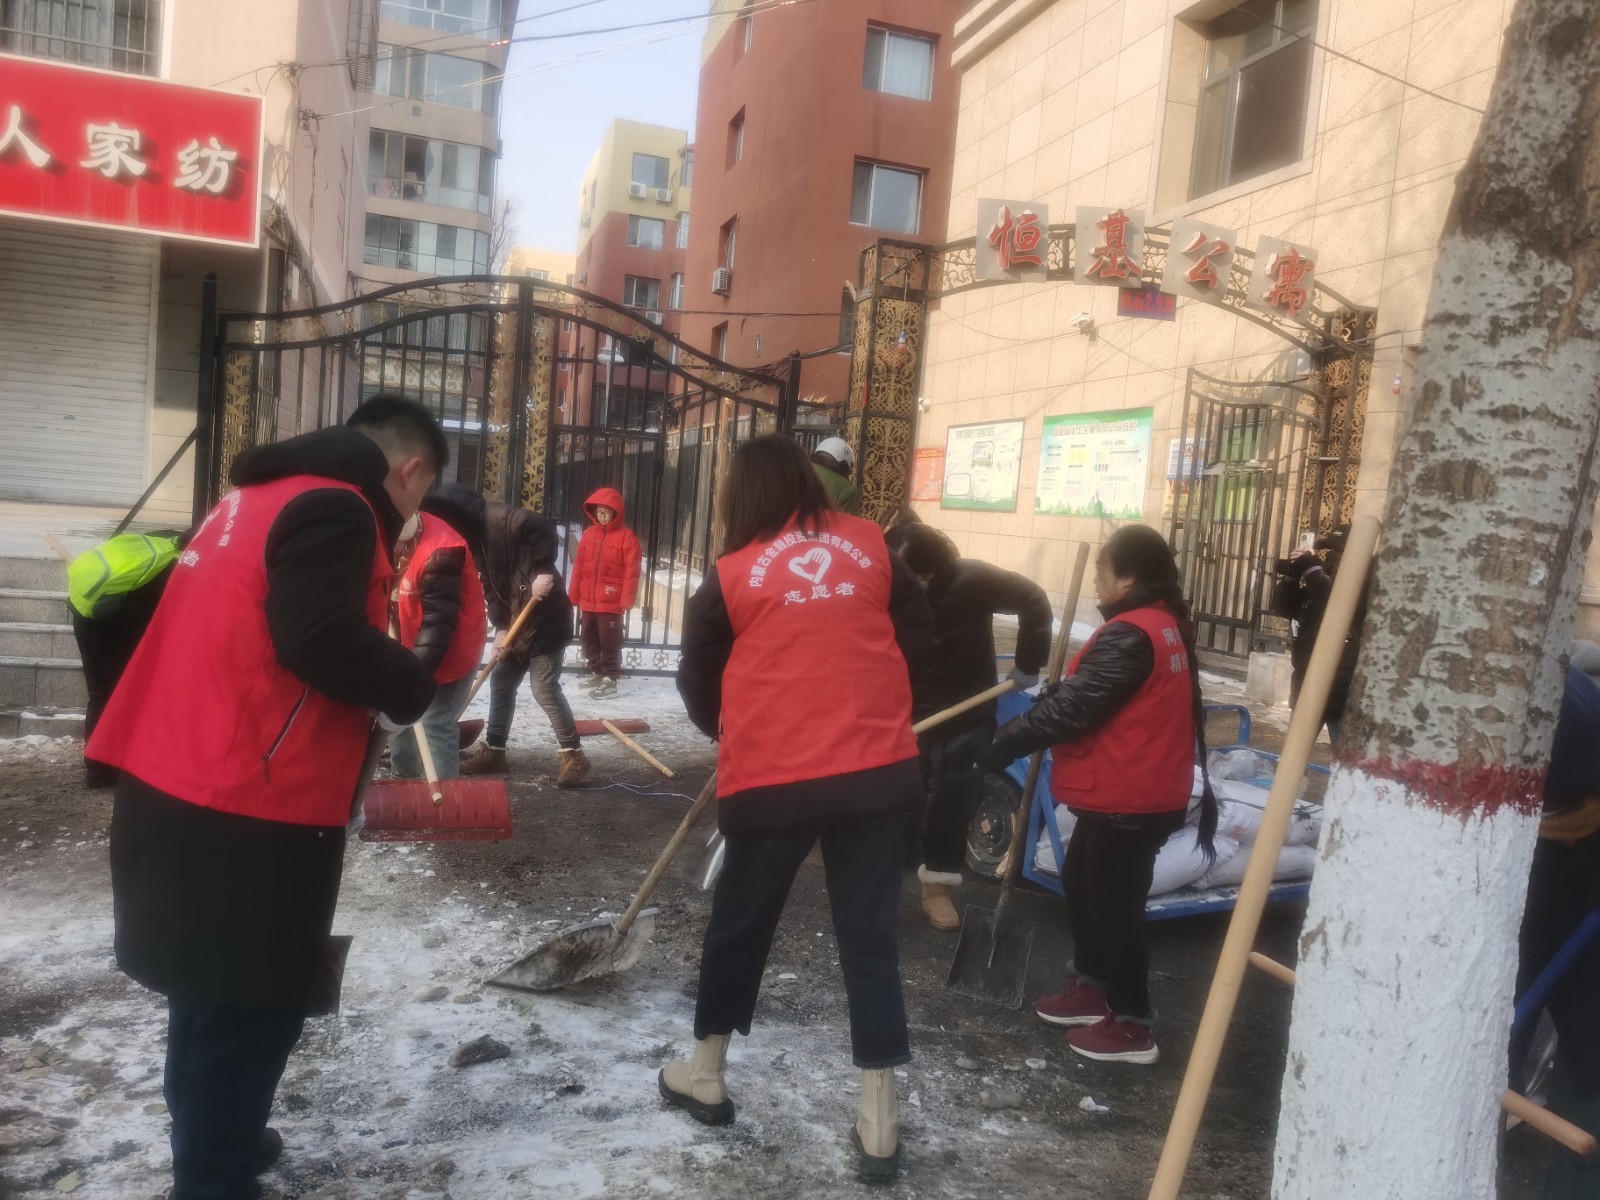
(996, 757)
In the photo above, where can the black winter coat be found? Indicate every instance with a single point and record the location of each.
(810, 803)
(964, 601)
(218, 908)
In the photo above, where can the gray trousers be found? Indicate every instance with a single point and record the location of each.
(439, 723)
(544, 672)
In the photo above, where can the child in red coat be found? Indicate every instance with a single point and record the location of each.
(605, 585)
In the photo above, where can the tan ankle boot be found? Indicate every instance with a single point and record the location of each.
(696, 1086)
(574, 768)
(937, 888)
(877, 1132)
(487, 760)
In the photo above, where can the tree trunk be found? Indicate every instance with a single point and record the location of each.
(1397, 1053)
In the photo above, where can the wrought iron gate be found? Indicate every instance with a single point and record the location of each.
(545, 393)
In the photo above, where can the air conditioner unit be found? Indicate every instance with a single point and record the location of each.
(664, 195)
(584, 219)
(653, 317)
(638, 191)
(722, 281)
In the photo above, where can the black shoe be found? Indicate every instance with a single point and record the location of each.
(706, 1114)
(268, 1153)
(871, 1169)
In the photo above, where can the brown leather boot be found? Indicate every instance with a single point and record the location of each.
(937, 905)
(574, 768)
(486, 760)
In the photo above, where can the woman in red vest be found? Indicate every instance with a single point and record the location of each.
(1124, 727)
(798, 653)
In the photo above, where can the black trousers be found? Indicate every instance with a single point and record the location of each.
(863, 866)
(1107, 876)
(105, 646)
(223, 1066)
(954, 781)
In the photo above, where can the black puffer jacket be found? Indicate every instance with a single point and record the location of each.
(965, 600)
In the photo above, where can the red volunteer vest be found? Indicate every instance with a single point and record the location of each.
(466, 647)
(816, 685)
(204, 711)
(1142, 760)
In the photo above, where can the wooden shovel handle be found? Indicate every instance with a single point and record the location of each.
(955, 710)
(500, 651)
(429, 771)
(638, 749)
(707, 795)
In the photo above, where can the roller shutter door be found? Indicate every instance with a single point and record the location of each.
(75, 347)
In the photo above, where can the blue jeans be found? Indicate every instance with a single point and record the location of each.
(439, 722)
(544, 671)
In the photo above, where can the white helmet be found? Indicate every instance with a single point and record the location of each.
(837, 449)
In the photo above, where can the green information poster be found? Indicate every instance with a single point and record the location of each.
(1095, 464)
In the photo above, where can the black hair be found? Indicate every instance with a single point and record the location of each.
(823, 459)
(1140, 553)
(396, 423)
(769, 484)
(925, 549)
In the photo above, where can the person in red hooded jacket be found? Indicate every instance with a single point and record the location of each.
(605, 585)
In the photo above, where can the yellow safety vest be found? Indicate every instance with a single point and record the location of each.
(97, 578)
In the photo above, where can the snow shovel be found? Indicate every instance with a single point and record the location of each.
(499, 653)
(602, 947)
(991, 959)
(431, 810)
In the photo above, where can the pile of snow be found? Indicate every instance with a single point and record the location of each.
(37, 747)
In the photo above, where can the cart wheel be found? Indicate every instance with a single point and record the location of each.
(990, 831)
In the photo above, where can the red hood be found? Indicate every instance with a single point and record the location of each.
(609, 497)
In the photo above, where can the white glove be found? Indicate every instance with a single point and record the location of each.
(1022, 680)
(390, 727)
(541, 587)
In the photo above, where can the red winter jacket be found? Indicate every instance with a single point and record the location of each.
(605, 571)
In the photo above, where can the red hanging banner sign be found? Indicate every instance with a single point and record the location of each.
(90, 147)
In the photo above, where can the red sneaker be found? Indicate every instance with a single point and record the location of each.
(1111, 1040)
(1079, 1003)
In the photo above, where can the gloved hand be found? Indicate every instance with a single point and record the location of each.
(996, 757)
(390, 727)
(1022, 679)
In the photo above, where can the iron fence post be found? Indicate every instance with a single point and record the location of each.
(206, 401)
(790, 399)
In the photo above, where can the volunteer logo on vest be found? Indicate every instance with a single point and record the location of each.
(812, 563)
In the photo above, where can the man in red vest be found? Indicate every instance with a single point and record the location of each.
(442, 617)
(240, 728)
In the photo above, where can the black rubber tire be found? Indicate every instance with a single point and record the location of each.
(989, 834)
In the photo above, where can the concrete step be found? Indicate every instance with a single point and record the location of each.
(51, 682)
(36, 639)
(34, 605)
(37, 574)
(50, 722)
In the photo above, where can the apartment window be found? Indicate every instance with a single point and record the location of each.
(736, 138)
(115, 35)
(648, 233)
(886, 197)
(900, 64)
(688, 167)
(677, 290)
(1252, 113)
(481, 18)
(728, 241)
(745, 31)
(652, 170)
(412, 168)
(437, 78)
(639, 292)
(537, 273)
(424, 246)
(683, 231)
(719, 341)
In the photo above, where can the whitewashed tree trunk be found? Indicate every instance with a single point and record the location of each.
(1397, 1054)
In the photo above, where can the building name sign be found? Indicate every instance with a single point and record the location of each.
(90, 147)
(1110, 252)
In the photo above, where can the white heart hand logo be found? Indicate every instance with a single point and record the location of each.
(812, 565)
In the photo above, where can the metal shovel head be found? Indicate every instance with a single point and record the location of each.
(579, 952)
(991, 962)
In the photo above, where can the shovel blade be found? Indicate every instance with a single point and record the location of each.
(402, 810)
(579, 952)
(991, 960)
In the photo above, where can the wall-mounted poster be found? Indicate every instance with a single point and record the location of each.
(982, 465)
(1095, 464)
(927, 473)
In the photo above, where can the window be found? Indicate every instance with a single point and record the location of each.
(683, 231)
(1253, 98)
(436, 78)
(898, 63)
(736, 138)
(478, 17)
(744, 32)
(423, 246)
(719, 341)
(115, 35)
(413, 168)
(688, 166)
(649, 233)
(677, 290)
(537, 273)
(730, 237)
(652, 170)
(886, 197)
(638, 292)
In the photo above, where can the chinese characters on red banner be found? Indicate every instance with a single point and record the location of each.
(98, 148)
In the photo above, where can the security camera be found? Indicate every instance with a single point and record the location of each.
(925, 404)
(1082, 319)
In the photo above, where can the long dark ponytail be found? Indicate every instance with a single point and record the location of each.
(1140, 553)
